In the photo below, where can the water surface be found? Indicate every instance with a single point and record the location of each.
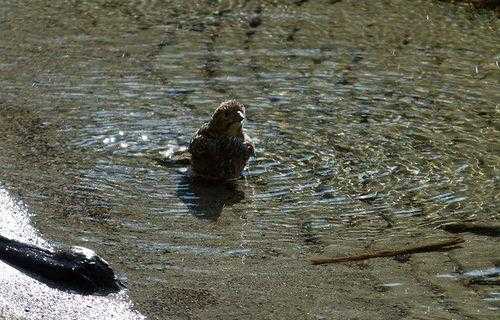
(375, 122)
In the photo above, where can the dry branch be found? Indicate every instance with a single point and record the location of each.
(477, 228)
(436, 246)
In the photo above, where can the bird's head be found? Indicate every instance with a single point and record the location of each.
(228, 118)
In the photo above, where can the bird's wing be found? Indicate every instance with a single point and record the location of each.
(203, 145)
(250, 149)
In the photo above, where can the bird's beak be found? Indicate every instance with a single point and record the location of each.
(241, 116)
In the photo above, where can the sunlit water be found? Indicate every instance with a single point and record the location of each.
(372, 121)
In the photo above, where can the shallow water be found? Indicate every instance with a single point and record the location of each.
(374, 122)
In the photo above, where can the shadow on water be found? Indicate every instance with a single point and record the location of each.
(205, 199)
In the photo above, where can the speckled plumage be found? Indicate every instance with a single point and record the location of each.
(220, 149)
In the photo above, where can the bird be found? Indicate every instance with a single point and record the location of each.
(220, 149)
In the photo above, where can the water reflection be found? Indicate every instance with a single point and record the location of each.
(206, 199)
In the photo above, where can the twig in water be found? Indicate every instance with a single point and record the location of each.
(477, 228)
(488, 282)
(436, 246)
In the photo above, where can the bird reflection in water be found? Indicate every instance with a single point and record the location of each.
(205, 199)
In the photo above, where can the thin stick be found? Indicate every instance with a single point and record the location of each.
(477, 228)
(445, 244)
(488, 282)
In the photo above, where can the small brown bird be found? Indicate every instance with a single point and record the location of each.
(220, 149)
